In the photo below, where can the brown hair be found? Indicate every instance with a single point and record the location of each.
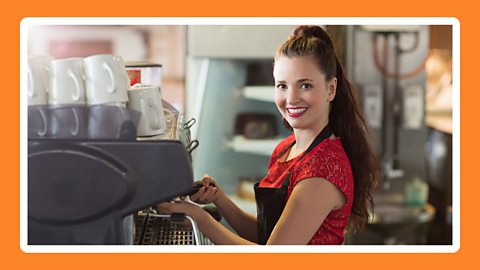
(345, 118)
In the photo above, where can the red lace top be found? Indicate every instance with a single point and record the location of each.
(327, 160)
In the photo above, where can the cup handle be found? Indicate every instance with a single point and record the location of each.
(74, 131)
(112, 78)
(44, 118)
(154, 108)
(47, 70)
(121, 65)
(76, 96)
(31, 93)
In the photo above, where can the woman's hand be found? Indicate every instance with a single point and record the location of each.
(190, 209)
(210, 192)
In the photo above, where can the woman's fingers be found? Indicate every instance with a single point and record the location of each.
(207, 180)
(204, 195)
(194, 197)
(208, 195)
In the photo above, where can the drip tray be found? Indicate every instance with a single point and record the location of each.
(153, 229)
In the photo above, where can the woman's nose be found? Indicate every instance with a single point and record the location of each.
(292, 96)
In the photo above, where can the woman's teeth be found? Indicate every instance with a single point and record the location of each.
(295, 112)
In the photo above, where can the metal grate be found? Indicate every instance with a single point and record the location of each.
(162, 230)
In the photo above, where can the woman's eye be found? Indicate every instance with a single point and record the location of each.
(281, 86)
(306, 86)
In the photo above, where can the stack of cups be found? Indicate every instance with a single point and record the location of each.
(38, 84)
(107, 83)
(66, 98)
(59, 92)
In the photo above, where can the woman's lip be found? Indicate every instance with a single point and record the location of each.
(296, 112)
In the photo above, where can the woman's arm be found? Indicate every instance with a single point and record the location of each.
(309, 204)
(218, 234)
(243, 223)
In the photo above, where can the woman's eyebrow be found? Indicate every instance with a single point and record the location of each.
(298, 81)
(304, 80)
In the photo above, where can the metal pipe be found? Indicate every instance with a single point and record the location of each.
(397, 104)
(385, 99)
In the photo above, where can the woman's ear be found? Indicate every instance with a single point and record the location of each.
(332, 89)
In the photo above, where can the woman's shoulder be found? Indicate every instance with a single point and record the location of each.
(331, 147)
(328, 154)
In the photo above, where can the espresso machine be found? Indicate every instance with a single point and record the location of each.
(84, 190)
(93, 177)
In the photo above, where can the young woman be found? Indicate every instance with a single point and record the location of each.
(319, 178)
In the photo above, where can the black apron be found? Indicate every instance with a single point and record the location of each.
(271, 201)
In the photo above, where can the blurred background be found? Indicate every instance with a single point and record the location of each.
(222, 77)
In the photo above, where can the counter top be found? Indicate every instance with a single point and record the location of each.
(401, 214)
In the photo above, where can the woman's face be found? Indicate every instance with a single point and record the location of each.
(302, 94)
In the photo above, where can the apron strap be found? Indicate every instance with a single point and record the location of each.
(324, 134)
(285, 150)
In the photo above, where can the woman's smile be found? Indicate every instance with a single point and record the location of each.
(296, 111)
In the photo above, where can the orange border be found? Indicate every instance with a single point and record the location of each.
(13, 13)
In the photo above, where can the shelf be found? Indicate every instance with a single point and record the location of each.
(259, 146)
(263, 93)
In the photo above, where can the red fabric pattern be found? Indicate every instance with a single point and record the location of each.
(327, 160)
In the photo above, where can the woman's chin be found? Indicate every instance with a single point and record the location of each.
(297, 125)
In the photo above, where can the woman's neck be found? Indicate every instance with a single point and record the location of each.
(304, 137)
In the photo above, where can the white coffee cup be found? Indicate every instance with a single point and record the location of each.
(148, 101)
(67, 82)
(38, 79)
(107, 80)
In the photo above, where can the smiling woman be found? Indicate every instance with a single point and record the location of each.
(302, 90)
(319, 178)
(344, 115)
